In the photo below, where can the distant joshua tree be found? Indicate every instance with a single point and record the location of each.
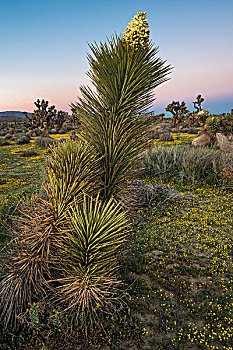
(178, 111)
(46, 117)
(198, 102)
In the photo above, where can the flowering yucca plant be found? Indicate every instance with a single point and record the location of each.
(124, 77)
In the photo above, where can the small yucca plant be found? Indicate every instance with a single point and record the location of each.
(34, 252)
(90, 250)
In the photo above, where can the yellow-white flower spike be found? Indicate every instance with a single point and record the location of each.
(137, 32)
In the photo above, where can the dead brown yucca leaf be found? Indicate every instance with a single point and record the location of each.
(27, 261)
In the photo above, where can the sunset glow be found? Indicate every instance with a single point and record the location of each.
(44, 47)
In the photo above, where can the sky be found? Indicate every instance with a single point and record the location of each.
(44, 43)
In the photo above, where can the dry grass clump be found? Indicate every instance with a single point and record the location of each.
(186, 163)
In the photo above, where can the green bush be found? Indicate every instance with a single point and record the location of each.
(213, 125)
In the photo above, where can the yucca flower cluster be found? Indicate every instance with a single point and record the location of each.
(137, 32)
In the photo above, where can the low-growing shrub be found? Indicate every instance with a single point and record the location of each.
(22, 140)
(166, 136)
(4, 143)
(44, 141)
(28, 153)
(213, 125)
(186, 163)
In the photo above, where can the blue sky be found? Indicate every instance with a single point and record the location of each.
(44, 46)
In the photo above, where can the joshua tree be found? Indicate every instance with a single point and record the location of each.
(178, 111)
(198, 102)
(61, 118)
(45, 116)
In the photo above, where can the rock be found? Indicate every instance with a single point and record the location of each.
(224, 144)
(202, 140)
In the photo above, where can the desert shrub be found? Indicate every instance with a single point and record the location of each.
(4, 143)
(186, 163)
(193, 131)
(44, 142)
(22, 140)
(8, 136)
(28, 153)
(166, 136)
(67, 245)
(228, 123)
(213, 125)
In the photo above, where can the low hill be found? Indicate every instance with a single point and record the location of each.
(10, 116)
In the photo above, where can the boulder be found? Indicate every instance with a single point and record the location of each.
(202, 140)
(224, 144)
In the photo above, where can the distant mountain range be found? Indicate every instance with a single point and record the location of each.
(10, 116)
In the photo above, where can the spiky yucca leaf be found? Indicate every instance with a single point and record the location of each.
(90, 250)
(27, 261)
(72, 169)
(34, 249)
(123, 76)
(118, 139)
